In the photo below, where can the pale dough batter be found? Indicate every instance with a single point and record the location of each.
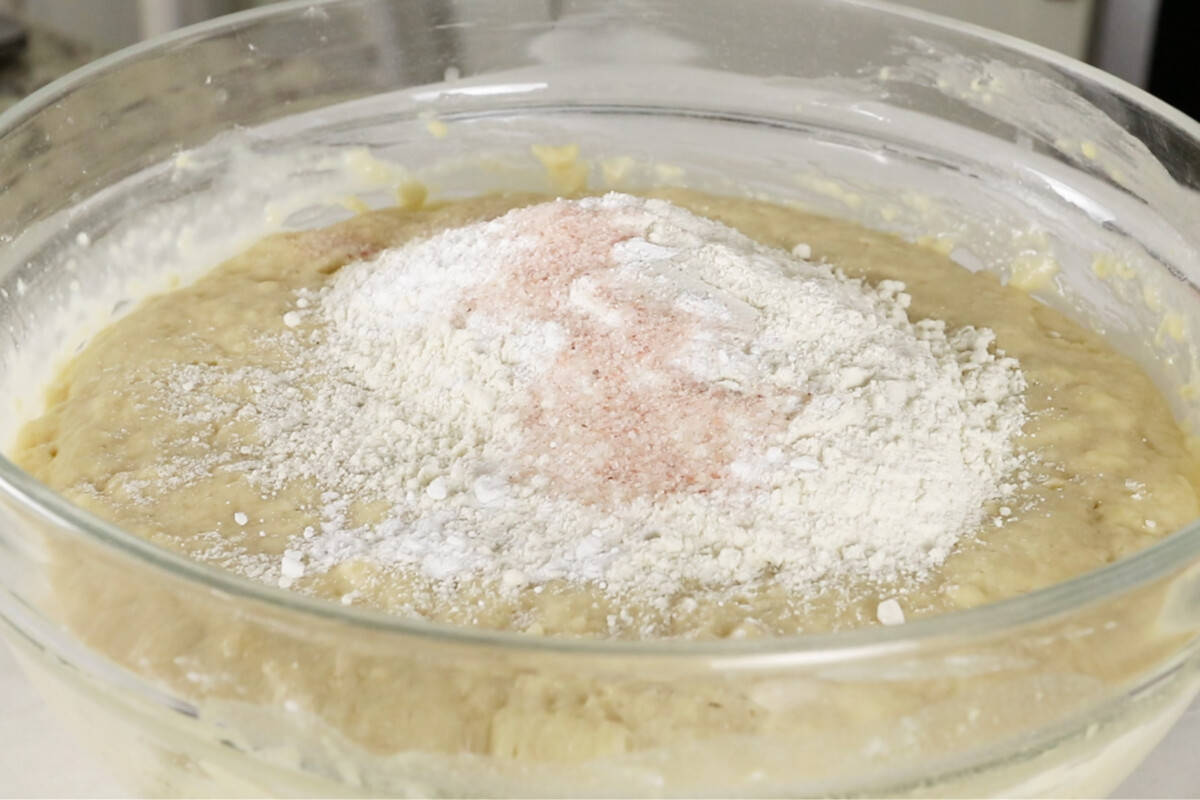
(1114, 473)
(1115, 476)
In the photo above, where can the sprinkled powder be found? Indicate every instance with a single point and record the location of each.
(616, 392)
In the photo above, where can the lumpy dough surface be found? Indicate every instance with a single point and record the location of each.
(1111, 475)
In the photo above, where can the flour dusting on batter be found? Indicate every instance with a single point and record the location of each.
(616, 392)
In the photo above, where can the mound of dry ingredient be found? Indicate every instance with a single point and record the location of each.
(612, 416)
(614, 391)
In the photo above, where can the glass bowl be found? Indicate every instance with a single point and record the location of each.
(148, 166)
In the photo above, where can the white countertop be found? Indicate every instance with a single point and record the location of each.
(38, 758)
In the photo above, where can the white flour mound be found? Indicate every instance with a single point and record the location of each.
(613, 391)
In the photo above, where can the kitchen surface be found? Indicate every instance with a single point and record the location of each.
(37, 757)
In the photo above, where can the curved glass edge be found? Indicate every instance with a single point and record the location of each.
(47, 95)
(1064, 63)
(1175, 552)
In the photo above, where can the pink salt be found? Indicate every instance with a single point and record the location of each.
(613, 417)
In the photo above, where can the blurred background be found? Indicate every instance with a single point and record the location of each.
(1144, 42)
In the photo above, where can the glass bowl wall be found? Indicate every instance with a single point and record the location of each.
(148, 166)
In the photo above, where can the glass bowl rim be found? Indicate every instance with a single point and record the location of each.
(1175, 552)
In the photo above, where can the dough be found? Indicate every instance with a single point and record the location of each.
(1114, 476)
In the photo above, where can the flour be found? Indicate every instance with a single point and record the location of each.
(618, 393)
